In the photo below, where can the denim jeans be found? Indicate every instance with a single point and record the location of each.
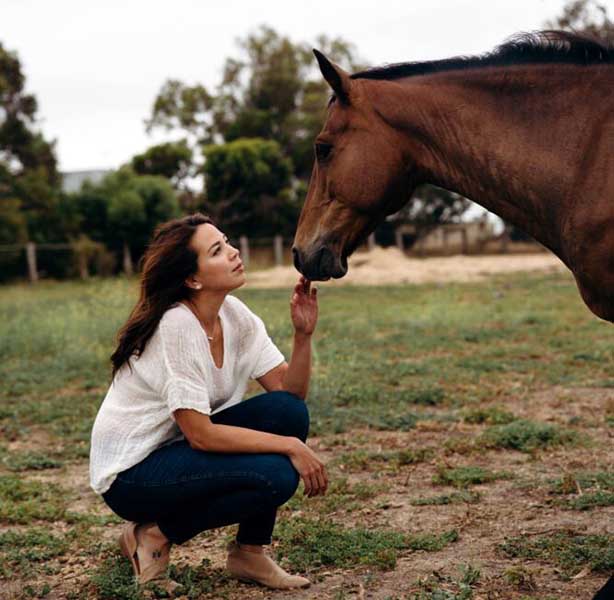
(186, 491)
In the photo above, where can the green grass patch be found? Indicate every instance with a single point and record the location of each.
(445, 587)
(589, 490)
(28, 461)
(22, 552)
(341, 495)
(527, 436)
(493, 415)
(363, 460)
(463, 477)
(24, 501)
(464, 496)
(571, 552)
(310, 544)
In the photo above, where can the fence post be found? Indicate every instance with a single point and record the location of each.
(398, 238)
(278, 249)
(128, 270)
(371, 242)
(31, 256)
(244, 250)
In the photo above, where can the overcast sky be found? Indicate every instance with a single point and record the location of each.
(96, 67)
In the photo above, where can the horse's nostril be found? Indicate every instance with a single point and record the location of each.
(297, 259)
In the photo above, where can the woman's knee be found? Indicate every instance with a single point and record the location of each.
(284, 481)
(294, 412)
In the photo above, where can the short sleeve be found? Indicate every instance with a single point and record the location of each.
(267, 355)
(184, 382)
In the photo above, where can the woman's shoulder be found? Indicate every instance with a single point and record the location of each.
(177, 316)
(241, 315)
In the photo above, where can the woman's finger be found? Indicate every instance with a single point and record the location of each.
(321, 482)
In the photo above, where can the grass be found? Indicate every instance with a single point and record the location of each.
(585, 491)
(527, 436)
(442, 369)
(21, 553)
(568, 550)
(312, 543)
(463, 477)
(22, 502)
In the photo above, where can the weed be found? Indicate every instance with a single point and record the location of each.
(568, 550)
(463, 477)
(443, 499)
(307, 544)
(22, 501)
(527, 436)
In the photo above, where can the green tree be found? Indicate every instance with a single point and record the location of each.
(430, 207)
(172, 160)
(248, 185)
(123, 210)
(272, 89)
(29, 180)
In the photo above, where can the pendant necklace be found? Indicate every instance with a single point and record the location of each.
(195, 310)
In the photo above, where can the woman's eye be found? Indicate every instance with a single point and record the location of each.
(323, 150)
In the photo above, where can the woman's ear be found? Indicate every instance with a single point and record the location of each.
(193, 284)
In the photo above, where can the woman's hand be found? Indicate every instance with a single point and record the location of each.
(310, 468)
(304, 307)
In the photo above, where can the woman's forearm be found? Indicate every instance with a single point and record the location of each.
(296, 379)
(231, 439)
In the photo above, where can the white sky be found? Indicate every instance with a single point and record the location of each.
(96, 67)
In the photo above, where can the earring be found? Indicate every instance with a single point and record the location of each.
(198, 286)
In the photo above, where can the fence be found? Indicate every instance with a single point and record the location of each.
(262, 253)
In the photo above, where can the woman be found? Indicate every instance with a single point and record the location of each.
(175, 449)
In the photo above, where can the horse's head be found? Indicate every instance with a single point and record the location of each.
(359, 176)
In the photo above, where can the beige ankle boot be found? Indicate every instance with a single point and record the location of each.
(148, 564)
(260, 568)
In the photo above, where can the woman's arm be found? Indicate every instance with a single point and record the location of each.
(294, 377)
(204, 435)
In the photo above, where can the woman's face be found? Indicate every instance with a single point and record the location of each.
(220, 268)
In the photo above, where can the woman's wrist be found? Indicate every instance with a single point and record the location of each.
(302, 336)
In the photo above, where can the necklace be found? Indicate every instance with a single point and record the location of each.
(195, 311)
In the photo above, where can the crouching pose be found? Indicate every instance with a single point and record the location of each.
(175, 449)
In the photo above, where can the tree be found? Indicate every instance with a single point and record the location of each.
(585, 16)
(430, 207)
(249, 187)
(172, 160)
(29, 180)
(123, 210)
(271, 90)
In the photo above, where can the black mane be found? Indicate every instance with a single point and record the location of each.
(525, 48)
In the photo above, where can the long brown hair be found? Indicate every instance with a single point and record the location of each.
(166, 264)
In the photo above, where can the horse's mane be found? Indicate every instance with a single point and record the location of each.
(524, 48)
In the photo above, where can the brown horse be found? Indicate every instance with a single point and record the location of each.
(526, 131)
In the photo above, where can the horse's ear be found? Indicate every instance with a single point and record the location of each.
(336, 77)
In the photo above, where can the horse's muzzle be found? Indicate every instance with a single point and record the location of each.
(320, 264)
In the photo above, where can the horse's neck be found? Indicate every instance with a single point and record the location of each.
(506, 142)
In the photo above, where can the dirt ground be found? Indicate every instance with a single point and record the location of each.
(507, 508)
(383, 266)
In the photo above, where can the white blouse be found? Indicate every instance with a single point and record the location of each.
(176, 370)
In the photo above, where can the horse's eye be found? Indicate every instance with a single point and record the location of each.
(323, 150)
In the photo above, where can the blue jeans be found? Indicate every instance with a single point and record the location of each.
(186, 491)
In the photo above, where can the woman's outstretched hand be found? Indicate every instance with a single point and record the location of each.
(304, 307)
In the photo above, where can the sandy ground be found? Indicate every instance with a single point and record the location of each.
(383, 266)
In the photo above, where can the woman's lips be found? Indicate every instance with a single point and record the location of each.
(239, 266)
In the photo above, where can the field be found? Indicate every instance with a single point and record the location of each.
(467, 429)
